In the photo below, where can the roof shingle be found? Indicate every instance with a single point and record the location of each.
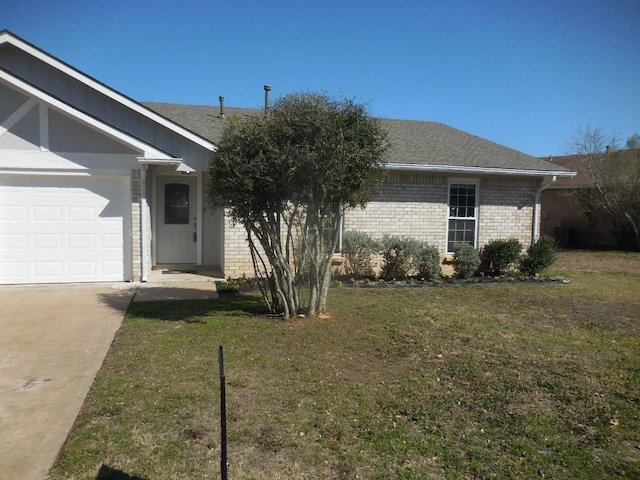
(412, 142)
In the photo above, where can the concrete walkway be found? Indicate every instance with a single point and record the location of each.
(53, 340)
(168, 284)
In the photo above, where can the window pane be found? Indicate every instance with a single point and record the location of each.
(176, 204)
(461, 231)
(462, 200)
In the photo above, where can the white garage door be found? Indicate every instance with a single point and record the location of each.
(62, 229)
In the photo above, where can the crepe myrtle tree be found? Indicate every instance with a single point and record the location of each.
(614, 177)
(287, 177)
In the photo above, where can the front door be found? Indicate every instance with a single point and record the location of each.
(176, 219)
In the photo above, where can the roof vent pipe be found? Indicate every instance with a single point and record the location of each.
(267, 98)
(221, 106)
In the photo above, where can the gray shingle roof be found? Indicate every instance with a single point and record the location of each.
(412, 142)
(201, 120)
(432, 143)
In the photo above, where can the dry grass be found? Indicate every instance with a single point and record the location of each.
(505, 381)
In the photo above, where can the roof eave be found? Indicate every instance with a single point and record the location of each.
(425, 167)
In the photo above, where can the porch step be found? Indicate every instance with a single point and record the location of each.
(162, 274)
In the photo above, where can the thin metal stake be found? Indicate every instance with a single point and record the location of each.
(223, 417)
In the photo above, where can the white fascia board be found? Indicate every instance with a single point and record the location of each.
(415, 167)
(63, 107)
(102, 88)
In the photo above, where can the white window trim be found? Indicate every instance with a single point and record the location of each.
(476, 210)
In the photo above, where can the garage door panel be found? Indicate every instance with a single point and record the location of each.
(13, 270)
(47, 269)
(81, 214)
(111, 268)
(13, 241)
(82, 241)
(46, 214)
(54, 229)
(12, 213)
(79, 269)
(113, 242)
(47, 242)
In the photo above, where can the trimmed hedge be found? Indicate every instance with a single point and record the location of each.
(540, 255)
(498, 255)
(428, 262)
(466, 260)
(399, 255)
(358, 248)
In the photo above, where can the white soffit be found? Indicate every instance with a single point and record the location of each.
(7, 37)
(30, 90)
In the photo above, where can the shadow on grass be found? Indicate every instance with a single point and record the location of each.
(195, 311)
(118, 300)
(108, 473)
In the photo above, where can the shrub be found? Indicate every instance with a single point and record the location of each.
(358, 248)
(428, 262)
(497, 255)
(466, 260)
(539, 256)
(228, 286)
(399, 255)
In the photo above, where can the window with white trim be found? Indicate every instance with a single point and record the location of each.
(463, 214)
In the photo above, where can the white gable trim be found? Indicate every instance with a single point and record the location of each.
(149, 151)
(16, 116)
(6, 37)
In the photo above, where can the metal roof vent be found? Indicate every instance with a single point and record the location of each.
(267, 98)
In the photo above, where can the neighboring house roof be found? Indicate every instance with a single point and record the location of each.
(571, 162)
(415, 145)
(579, 164)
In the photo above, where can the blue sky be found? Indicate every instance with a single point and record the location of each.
(525, 74)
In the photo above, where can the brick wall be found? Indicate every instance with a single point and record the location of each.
(506, 209)
(416, 205)
(237, 256)
(405, 204)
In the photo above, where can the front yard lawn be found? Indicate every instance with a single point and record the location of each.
(507, 381)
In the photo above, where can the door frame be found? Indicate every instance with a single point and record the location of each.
(169, 172)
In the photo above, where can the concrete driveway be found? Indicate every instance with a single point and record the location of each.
(53, 340)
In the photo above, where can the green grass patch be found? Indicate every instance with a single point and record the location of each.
(506, 381)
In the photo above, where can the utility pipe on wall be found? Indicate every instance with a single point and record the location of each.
(535, 231)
